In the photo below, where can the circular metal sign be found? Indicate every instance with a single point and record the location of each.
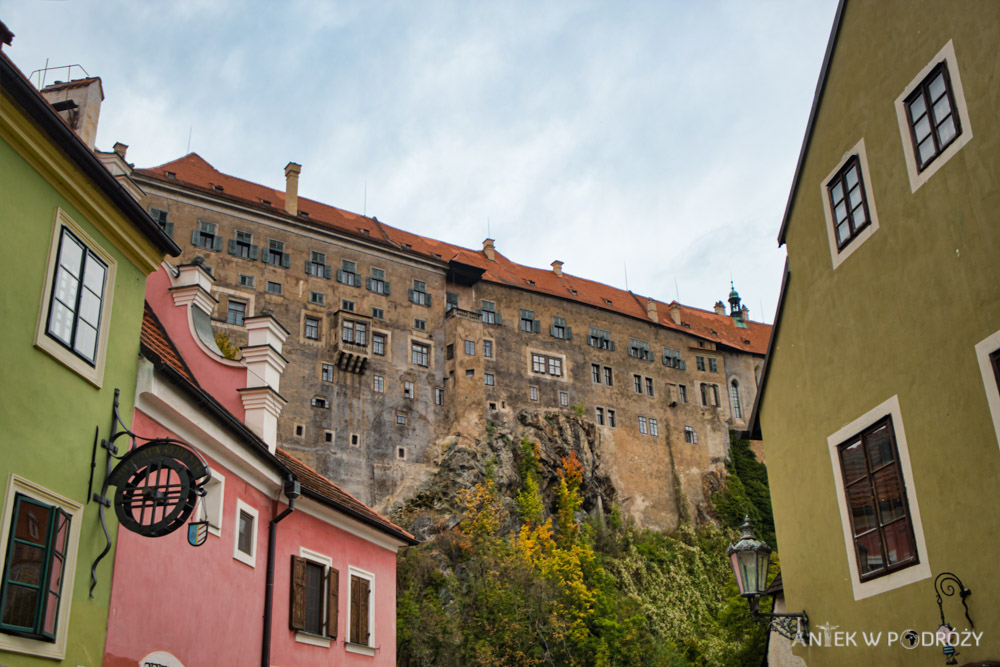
(158, 485)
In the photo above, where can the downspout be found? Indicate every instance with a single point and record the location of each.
(292, 491)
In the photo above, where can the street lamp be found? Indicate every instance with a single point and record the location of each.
(750, 558)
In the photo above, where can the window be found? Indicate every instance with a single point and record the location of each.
(401, 420)
(378, 313)
(709, 394)
(876, 498)
(528, 321)
(347, 305)
(312, 328)
(438, 396)
(355, 440)
(317, 298)
(537, 363)
(654, 428)
(235, 312)
(639, 349)
(419, 295)
(347, 274)
(734, 399)
(204, 236)
(649, 386)
(245, 535)
(600, 339)
(533, 393)
(242, 246)
(450, 301)
(470, 347)
(849, 205)
(317, 266)
(359, 616)
(273, 287)
(690, 436)
(595, 373)
(609, 378)
(314, 607)
(713, 365)
(637, 383)
(419, 353)
(470, 372)
(449, 351)
(489, 313)
(600, 416)
(160, 216)
(378, 344)
(275, 254)
(319, 402)
(326, 373)
(401, 452)
(299, 430)
(407, 390)
(328, 436)
(642, 425)
(563, 398)
(672, 359)
(682, 393)
(377, 282)
(420, 325)
(353, 332)
(555, 366)
(560, 330)
(933, 117)
(699, 363)
(246, 281)
(488, 349)
(490, 380)
(378, 384)
(541, 363)
(75, 330)
(611, 418)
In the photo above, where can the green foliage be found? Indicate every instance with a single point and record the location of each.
(558, 592)
(579, 408)
(746, 493)
(229, 351)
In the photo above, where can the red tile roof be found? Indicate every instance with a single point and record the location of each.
(321, 485)
(154, 339)
(194, 172)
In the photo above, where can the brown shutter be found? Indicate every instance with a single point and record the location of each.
(363, 612)
(297, 605)
(355, 590)
(332, 603)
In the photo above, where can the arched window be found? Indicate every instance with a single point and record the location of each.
(734, 399)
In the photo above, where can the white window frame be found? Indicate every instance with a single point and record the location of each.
(93, 374)
(26, 645)
(327, 563)
(351, 647)
(249, 559)
(983, 350)
(908, 575)
(918, 178)
(837, 257)
(211, 505)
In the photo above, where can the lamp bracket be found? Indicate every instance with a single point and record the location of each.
(789, 626)
(945, 583)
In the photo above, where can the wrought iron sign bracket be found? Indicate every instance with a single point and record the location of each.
(945, 583)
(790, 626)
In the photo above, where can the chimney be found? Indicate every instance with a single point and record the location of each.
(193, 285)
(675, 312)
(6, 36)
(120, 149)
(265, 364)
(651, 310)
(720, 308)
(489, 250)
(744, 313)
(79, 103)
(292, 171)
(557, 268)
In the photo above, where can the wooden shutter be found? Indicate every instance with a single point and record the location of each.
(363, 595)
(536, 326)
(368, 284)
(254, 251)
(569, 333)
(194, 236)
(386, 291)
(297, 604)
(218, 244)
(168, 227)
(332, 603)
(327, 271)
(411, 297)
(265, 256)
(427, 298)
(286, 261)
(232, 246)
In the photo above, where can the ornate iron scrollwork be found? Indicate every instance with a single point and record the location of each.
(945, 583)
(790, 626)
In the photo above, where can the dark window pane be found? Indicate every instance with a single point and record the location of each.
(880, 447)
(859, 500)
(852, 458)
(869, 553)
(314, 598)
(889, 489)
(899, 542)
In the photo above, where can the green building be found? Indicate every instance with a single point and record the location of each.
(79, 249)
(879, 407)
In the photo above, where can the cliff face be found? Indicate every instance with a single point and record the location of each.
(463, 462)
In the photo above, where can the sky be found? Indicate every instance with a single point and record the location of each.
(647, 145)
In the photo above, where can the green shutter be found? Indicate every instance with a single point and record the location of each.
(308, 268)
(340, 276)
(536, 326)
(427, 297)
(168, 228)
(368, 284)
(327, 270)
(286, 260)
(194, 236)
(387, 288)
(410, 294)
(612, 348)
(265, 256)
(254, 250)
(569, 333)
(232, 246)
(218, 244)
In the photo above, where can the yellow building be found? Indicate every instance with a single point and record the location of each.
(879, 406)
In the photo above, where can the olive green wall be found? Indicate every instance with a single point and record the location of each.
(900, 316)
(49, 413)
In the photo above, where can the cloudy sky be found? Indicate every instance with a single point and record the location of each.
(653, 138)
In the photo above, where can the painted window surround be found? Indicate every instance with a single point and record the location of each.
(251, 558)
(922, 569)
(360, 648)
(918, 178)
(12, 643)
(838, 256)
(983, 350)
(93, 374)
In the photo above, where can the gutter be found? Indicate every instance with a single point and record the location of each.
(292, 491)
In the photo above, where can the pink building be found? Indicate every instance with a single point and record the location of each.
(294, 571)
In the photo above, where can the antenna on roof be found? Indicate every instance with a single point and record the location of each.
(489, 233)
(190, 130)
(677, 290)
(364, 211)
(625, 264)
